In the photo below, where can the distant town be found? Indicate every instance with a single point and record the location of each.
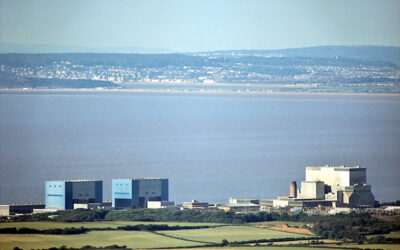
(357, 69)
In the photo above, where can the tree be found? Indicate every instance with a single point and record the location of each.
(225, 242)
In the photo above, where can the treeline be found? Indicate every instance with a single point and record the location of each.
(354, 226)
(380, 239)
(140, 214)
(24, 230)
(239, 243)
(218, 216)
(76, 215)
(157, 227)
(87, 247)
(81, 230)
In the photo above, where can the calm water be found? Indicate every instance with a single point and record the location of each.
(210, 147)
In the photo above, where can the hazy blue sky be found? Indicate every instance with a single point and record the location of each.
(201, 25)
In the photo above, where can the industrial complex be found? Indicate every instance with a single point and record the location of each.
(324, 188)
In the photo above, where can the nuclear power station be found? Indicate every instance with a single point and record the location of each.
(324, 187)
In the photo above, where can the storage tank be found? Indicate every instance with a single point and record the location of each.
(293, 189)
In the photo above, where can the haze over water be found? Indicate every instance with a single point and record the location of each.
(211, 147)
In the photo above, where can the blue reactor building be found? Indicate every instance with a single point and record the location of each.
(64, 194)
(137, 192)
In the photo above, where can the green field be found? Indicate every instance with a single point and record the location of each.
(230, 233)
(103, 224)
(135, 239)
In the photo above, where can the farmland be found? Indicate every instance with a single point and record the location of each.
(100, 238)
(230, 233)
(257, 236)
(135, 239)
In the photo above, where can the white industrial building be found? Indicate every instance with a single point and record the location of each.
(346, 186)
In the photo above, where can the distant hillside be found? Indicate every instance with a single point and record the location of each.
(370, 53)
(181, 60)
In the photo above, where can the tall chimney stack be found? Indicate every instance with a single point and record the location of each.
(293, 189)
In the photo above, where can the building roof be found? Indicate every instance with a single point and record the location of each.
(239, 205)
(342, 167)
(83, 180)
(141, 179)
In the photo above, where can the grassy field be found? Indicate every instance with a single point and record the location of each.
(102, 238)
(132, 239)
(230, 233)
(102, 224)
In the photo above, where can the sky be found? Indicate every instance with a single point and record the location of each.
(204, 25)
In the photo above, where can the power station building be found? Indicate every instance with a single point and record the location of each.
(64, 194)
(137, 192)
(324, 186)
(346, 186)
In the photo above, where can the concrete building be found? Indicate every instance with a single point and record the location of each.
(243, 201)
(64, 194)
(240, 207)
(87, 205)
(162, 204)
(13, 209)
(195, 205)
(313, 190)
(346, 186)
(137, 192)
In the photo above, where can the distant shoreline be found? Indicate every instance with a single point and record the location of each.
(195, 92)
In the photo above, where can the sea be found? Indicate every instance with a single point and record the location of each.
(210, 146)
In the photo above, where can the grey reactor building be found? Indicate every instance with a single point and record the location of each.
(65, 194)
(137, 192)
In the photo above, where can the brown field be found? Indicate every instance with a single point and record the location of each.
(287, 229)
